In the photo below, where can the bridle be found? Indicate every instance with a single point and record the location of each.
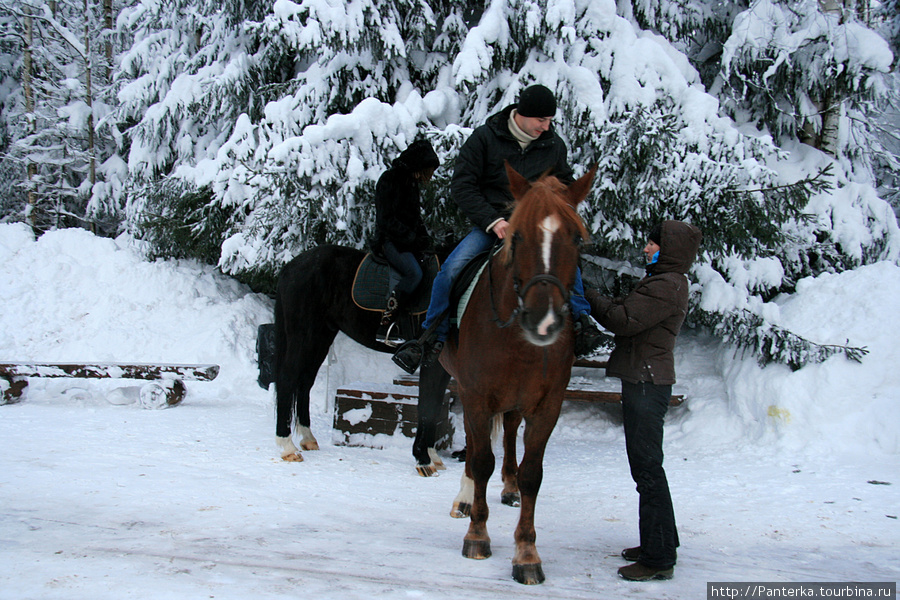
(541, 278)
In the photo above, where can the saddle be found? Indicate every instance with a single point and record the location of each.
(375, 279)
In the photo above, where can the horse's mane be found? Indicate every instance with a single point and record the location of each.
(547, 196)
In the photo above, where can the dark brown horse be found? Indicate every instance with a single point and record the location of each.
(514, 356)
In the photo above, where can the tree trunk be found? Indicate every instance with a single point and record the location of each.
(108, 25)
(89, 95)
(28, 89)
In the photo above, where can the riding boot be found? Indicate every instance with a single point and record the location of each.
(409, 355)
(414, 352)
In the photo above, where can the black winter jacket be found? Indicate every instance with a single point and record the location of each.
(647, 321)
(398, 209)
(480, 187)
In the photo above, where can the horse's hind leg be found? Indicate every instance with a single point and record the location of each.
(296, 373)
(510, 469)
(433, 382)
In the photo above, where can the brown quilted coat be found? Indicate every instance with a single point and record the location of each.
(647, 321)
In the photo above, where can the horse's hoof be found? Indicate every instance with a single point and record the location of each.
(477, 549)
(427, 470)
(311, 445)
(531, 574)
(293, 457)
(511, 499)
(460, 510)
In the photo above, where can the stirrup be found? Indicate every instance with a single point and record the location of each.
(391, 337)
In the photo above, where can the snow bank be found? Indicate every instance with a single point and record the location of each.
(70, 296)
(838, 404)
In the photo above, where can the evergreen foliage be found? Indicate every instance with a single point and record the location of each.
(54, 148)
(771, 343)
(247, 132)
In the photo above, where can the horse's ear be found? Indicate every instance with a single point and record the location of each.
(580, 188)
(518, 185)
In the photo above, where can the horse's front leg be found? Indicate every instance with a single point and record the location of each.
(510, 469)
(479, 468)
(526, 561)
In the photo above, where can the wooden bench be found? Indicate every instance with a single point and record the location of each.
(166, 390)
(575, 391)
(362, 410)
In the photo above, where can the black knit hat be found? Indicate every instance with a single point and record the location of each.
(536, 101)
(419, 156)
(655, 235)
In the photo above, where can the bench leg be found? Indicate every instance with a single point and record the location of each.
(13, 389)
(162, 394)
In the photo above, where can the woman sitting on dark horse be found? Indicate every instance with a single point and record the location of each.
(400, 234)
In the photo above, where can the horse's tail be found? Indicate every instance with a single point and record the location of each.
(496, 429)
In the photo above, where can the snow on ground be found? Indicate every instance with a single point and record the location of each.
(776, 475)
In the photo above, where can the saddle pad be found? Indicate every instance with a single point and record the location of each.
(464, 299)
(465, 284)
(372, 284)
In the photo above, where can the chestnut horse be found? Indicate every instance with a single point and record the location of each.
(514, 356)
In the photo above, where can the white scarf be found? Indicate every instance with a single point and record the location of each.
(523, 138)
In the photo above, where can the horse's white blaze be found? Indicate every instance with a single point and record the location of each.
(550, 225)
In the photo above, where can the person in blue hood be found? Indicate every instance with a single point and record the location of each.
(646, 323)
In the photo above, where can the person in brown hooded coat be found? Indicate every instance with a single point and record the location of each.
(646, 323)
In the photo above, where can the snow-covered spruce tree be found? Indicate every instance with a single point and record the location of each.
(808, 70)
(665, 152)
(51, 117)
(696, 28)
(358, 83)
(840, 229)
(887, 164)
(11, 172)
(183, 81)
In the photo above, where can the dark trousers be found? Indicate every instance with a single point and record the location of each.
(407, 266)
(644, 407)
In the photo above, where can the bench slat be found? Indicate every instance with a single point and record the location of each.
(110, 371)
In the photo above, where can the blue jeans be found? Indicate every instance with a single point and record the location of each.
(472, 245)
(407, 266)
(644, 407)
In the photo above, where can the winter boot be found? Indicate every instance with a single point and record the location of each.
(414, 352)
(639, 572)
(631, 554)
